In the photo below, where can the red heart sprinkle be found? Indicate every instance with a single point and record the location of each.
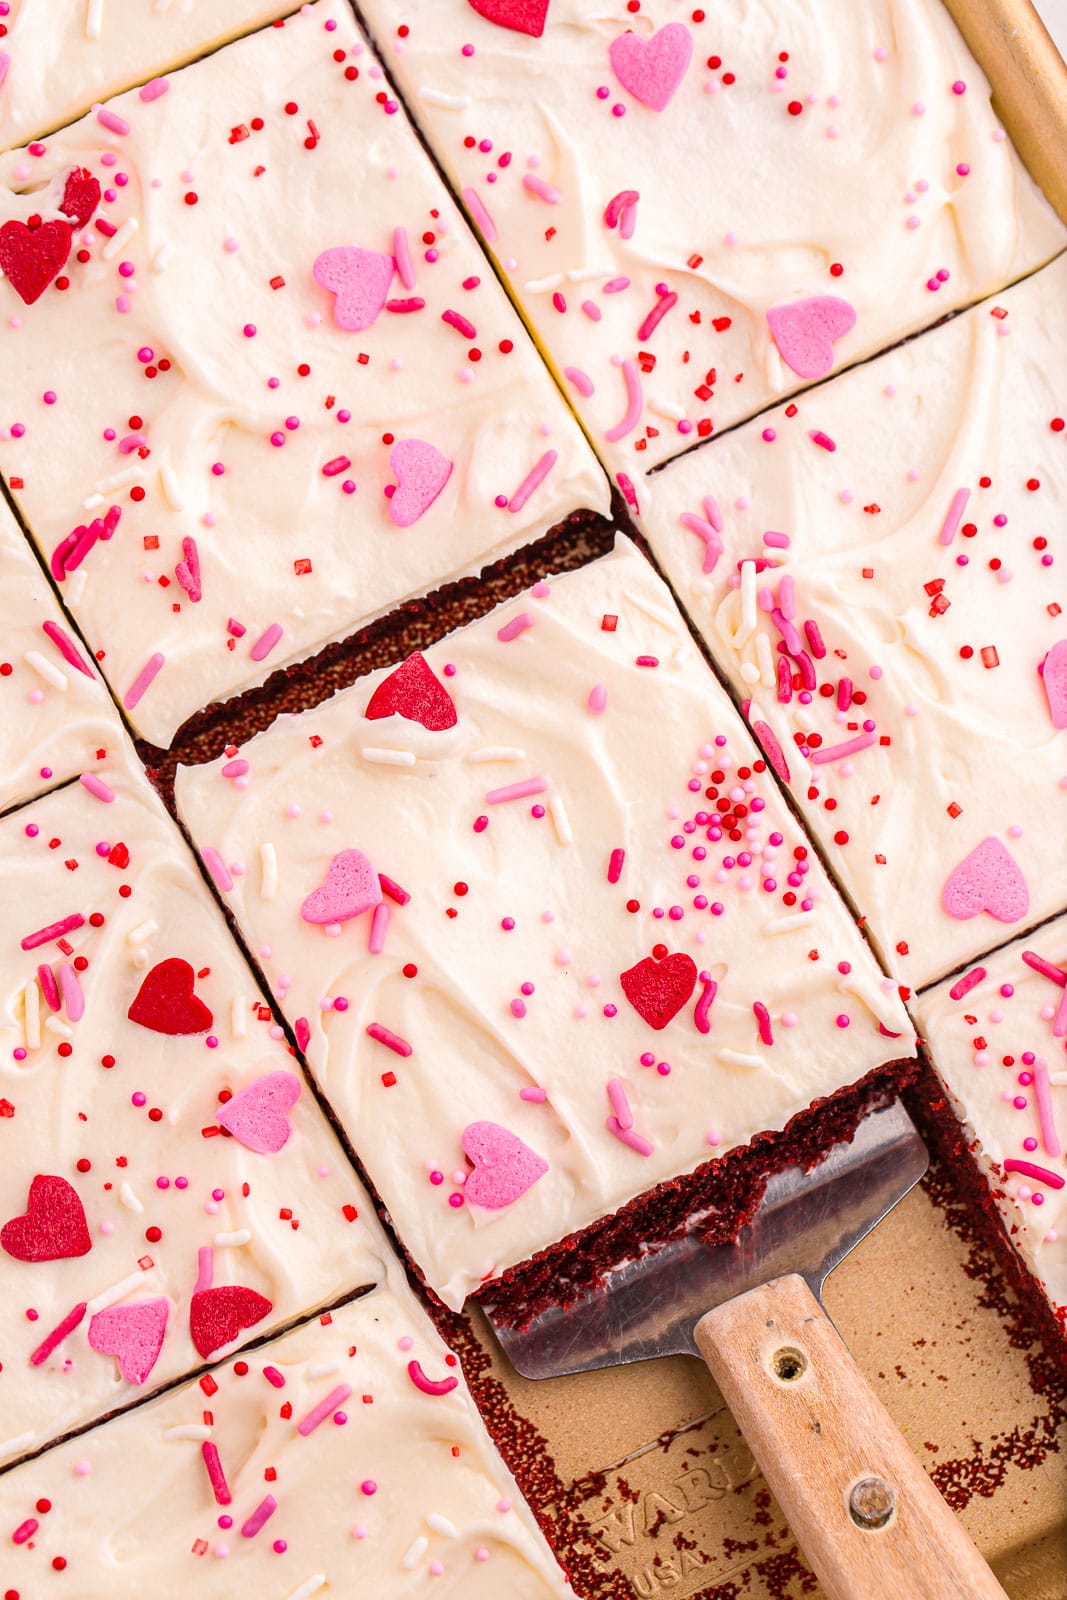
(53, 1226)
(165, 1002)
(81, 196)
(32, 257)
(217, 1316)
(413, 691)
(658, 990)
(521, 16)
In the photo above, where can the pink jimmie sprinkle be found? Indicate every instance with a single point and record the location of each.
(57, 1335)
(516, 791)
(144, 680)
(339, 464)
(480, 216)
(25, 1531)
(533, 480)
(1043, 1094)
(954, 516)
(776, 541)
(1030, 1169)
(263, 1513)
(274, 1377)
(713, 545)
(785, 681)
(704, 1004)
(66, 647)
(402, 257)
(111, 120)
(620, 1104)
(461, 324)
(97, 787)
(823, 440)
(618, 204)
(325, 1408)
(302, 1030)
(1039, 964)
(837, 752)
(763, 1019)
(266, 642)
(393, 890)
(1059, 1021)
(430, 1385)
(544, 191)
(378, 928)
(205, 1269)
(656, 315)
(392, 1041)
(517, 625)
(581, 381)
(54, 930)
(598, 699)
(216, 1477)
(73, 995)
(629, 1136)
(634, 402)
(536, 1097)
(615, 865)
(153, 90)
(815, 640)
(969, 981)
(218, 869)
(49, 987)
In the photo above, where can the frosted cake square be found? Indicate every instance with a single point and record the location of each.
(702, 210)
(258, 384)
(167, 1183)
(56, 717)
(345, 1457)
(58, 56)
(541, 921)
(997, 1037)
(878, 569)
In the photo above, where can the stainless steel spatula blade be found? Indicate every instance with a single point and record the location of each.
(868, 1518)
(807, 1222)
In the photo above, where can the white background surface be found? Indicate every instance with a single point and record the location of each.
(1054, 16)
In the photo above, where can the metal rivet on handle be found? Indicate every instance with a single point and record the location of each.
(871, 1503)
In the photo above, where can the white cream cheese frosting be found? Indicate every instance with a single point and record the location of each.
(273, 390)
(540, 920)
(59, 56)
(997, 1036)
(167, 1182)
(898, 531)
(56, 717)
(699, 210)
(344, 1459)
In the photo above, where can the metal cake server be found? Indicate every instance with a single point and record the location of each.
(865, 1513)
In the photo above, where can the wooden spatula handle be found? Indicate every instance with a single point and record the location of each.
(864, 1512)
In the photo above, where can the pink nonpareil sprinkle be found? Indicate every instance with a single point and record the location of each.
(533, 480)
(953, 516)
(54, 930)
(392, 1041)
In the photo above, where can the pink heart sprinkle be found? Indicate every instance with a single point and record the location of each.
(133, 1333)
(989, 879)
(359, 279)
(257, 1114)
(421, 472)
(504, 1167)
(651, 69)
(350, 888)
(805, 332)
(1054, 675)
